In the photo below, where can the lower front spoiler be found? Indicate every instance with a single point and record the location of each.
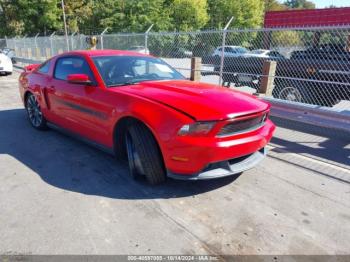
(225, 168)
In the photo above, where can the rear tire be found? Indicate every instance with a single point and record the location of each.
(144, 155)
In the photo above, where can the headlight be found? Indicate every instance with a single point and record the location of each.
(198, 128)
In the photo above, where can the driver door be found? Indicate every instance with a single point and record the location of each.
(76, 105)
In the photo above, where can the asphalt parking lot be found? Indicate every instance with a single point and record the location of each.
(60, 196)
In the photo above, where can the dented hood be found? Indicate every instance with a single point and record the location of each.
(199, 100)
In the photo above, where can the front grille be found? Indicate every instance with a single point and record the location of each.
(244, 125)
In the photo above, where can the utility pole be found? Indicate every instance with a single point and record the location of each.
(65, 25)
(223, 50)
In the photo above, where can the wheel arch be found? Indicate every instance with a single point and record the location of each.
(119, 132)
(25, 96)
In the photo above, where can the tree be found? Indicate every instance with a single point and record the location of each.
(300, 4)
(246, 13)
(274, 5)
(19, 17)
(78, 12)
(286, 38)
(130, 15)
(189, 15)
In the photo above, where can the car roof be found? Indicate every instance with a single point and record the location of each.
(232, 46)
(106, 52)
(261, 50)
(264, 51)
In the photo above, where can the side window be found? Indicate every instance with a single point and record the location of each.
(71, 65)
(45, 67)
(241, 50)
(275, 54)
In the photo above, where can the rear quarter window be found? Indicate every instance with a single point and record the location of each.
(45, 67)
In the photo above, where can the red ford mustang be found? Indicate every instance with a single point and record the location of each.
(138, 107)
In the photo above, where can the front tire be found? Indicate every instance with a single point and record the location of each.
(144, 155)
(36, 117)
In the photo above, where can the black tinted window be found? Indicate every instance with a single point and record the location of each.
(45, 67)
(71, 65)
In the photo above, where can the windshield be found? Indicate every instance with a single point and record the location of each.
(125, 70)
(242, 50)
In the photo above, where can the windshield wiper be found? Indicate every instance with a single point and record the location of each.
(126, 83)
(133, 82)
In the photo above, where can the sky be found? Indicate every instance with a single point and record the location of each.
(326, 3)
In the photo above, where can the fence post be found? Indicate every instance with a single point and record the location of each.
(268, 77)
(47, 53)
(24, 43)
(146, 37)
(196, 63)
(65, 24)
(51, 44)
(38, 54)
(35, 40)
(14, 45)
(29, 52)
(71, 39)
(223, 49)
(101, 35)
(81, 42)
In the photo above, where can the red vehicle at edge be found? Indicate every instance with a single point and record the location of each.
(140, 108)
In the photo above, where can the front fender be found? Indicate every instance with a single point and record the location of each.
(163, 121)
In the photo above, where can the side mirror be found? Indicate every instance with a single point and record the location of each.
(79, 79)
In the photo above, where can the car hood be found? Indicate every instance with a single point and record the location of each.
(199, 100)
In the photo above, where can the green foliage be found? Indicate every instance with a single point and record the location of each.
(21, 17)
(246, 13)
(274, 5)
(189, 15)
(131, 16)
(300, 4)
(78, 12)
(286, 38)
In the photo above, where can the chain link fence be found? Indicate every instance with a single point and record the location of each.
(43, 47)
(307, 65)
(2, 43)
